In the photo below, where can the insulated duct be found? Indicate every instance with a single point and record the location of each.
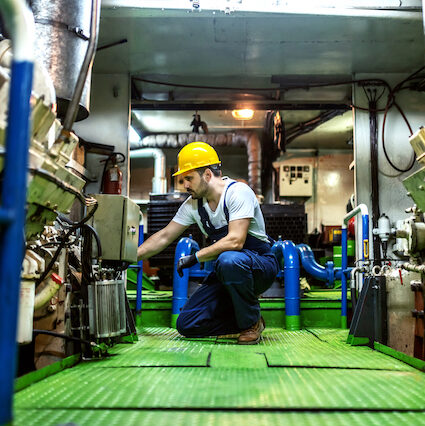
(62, 37)
(159, 181)
(250, 140)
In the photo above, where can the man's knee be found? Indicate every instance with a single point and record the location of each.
(229, 264)
(181, 325)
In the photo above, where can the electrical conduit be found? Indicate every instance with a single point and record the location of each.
(20, 23)
(291, 275)
(361, 208)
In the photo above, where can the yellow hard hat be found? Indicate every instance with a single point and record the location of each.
(195, 155)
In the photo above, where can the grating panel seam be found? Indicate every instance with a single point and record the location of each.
(183, 418)
(237, 409)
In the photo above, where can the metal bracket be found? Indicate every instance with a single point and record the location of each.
(75, 30)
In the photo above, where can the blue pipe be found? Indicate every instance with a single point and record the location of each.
(365, 236)
(139, 282)
(313, 268)
(12, 242)
(344, 264)
(185, 247)
(291, 274)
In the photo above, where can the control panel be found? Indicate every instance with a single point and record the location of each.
(116, 221)
(296, 180)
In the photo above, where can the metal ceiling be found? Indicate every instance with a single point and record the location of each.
(249, 50)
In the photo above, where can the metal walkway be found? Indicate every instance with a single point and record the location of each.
(303, 377)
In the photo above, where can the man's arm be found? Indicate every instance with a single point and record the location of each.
(234, 240)
(160, 240)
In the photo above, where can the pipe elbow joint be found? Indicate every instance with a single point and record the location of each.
(185, 247)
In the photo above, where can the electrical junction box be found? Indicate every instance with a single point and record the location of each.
(296, 180)
(116, 221)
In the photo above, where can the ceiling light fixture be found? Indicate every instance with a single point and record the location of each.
(243, 114)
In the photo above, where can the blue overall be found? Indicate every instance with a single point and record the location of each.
(227, 301)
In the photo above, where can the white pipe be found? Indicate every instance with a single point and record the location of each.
(22, 29)
(360, 208)
(52, 287)
(159, 181)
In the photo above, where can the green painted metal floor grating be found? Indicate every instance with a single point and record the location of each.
(302, 377)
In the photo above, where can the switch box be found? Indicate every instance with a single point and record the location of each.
(116, 221)
(296, 180)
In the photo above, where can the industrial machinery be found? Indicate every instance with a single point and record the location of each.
(77, 246)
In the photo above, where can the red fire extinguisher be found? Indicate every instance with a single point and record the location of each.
(112, 175)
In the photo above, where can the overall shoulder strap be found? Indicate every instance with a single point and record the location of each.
(205, 220)
(225, 209)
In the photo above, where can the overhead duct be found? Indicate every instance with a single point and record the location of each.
(250, 140)
(62, 37)
(159, 181)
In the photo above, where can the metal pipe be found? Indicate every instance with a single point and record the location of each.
(250, 140)
(353, 287)
(71, 112)
(413, 268)
(361, 208)
(20, 23)
(185, 247)
(159, 181)
(291, 274)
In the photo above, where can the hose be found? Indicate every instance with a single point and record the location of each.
(73, 227)
(64, 336)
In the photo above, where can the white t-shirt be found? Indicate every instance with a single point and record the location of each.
(241, 203)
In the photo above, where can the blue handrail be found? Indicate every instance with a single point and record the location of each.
(13, 192)
(139, 282)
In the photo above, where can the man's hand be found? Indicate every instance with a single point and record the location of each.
(186, 262)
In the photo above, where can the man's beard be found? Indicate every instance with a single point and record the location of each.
(201, 192)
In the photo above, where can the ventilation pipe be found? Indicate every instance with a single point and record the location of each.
(159, 181)
(250, 140)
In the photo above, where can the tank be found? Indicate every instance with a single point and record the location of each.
(62, 33)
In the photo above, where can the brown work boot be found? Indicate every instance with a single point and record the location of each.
(252, 335)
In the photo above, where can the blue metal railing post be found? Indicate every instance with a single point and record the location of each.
(344, 264)
(13, 194)
(139, 282)
(185, 247)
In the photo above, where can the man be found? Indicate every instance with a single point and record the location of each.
(229, 213)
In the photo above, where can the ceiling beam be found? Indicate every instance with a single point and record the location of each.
(229, 105)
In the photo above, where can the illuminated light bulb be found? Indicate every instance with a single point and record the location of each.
(243, 114)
